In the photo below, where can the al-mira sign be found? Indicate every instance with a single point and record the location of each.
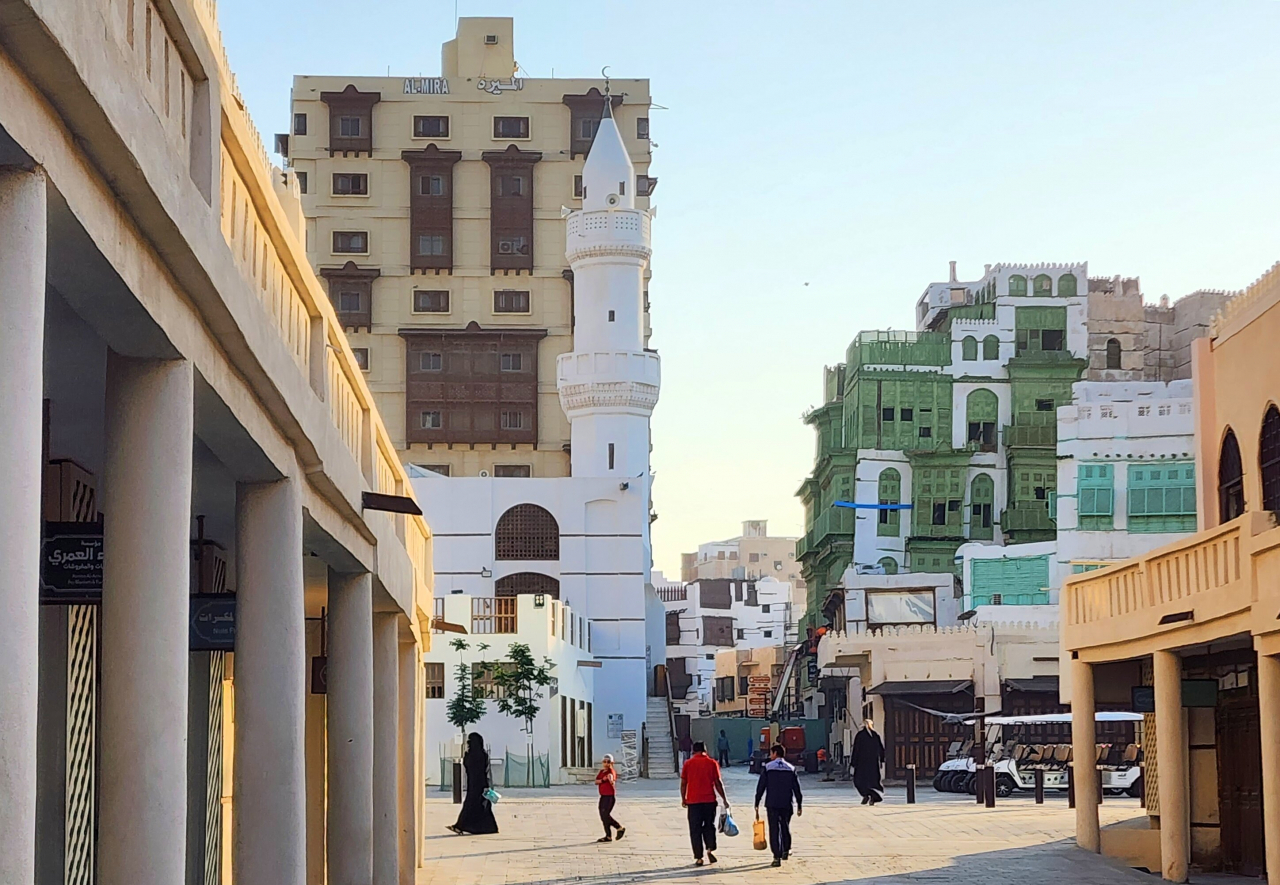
(426, 86)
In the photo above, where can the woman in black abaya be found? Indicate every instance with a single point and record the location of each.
(476, 817)
(868, 754)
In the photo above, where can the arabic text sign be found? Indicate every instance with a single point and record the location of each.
(71, 562)
(497, 87)
(426, 86)
(213, 622)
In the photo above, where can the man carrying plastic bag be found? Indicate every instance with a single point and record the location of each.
(777, 785)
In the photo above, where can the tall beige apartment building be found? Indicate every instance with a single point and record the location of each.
(434, 212)
(752, 555)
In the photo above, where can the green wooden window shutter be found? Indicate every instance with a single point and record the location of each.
(1095, 496)
(991, 348)
(1067, 285)
(1043, 285)
(1162, 497)
(969, 348)
(889, 492)
(1017, 285)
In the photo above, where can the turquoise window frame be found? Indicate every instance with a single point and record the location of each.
(1095, 497)
(1162, 497)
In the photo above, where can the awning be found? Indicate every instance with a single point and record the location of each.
(927, 686)
(1033, 683)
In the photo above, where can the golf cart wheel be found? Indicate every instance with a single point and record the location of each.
(1135, 788)
(1005, 785)
(938, 780)
(970, 784)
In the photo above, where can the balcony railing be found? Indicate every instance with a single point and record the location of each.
(493, 615)
(1027, 519)
(1033, 436)
(835, 521)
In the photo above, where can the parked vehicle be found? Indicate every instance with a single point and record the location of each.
(1017, 758)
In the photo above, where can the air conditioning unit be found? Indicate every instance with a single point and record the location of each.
(490, 39)
(484, 474)
(506, 248)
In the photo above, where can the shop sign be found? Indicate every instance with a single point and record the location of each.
(613, 725)
(71, 562)
(426, 86)
(213, 622)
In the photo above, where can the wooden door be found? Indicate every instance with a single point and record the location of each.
(913, 736)
(1240, 785)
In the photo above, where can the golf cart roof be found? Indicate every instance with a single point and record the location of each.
(1051, 718)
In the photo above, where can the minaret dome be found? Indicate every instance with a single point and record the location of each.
(608, 178)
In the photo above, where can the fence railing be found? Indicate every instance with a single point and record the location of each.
(493, 615)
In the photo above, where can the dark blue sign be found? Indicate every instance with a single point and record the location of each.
(213, 622)
(71, 562)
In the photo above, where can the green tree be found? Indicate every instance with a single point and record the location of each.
(519, 683)
(465, 707)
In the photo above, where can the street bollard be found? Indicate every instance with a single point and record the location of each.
(1071, 785)
(457, 783)
(1039, 786)
(991, 787)
(980, 784)
(1142, 787)
(911, 785)
(1099, 787)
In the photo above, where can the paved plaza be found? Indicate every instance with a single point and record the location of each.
(548, 838)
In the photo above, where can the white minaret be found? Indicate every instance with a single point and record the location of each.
(609, 383)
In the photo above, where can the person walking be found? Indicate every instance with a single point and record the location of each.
(606, 782)
(699, 784)
(778, 784)
(722, 748)
(686, 748)
(476, 817)
(868, 756)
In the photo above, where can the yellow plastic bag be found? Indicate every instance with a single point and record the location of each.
(758, 840)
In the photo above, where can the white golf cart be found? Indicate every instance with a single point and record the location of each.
(1017, 759)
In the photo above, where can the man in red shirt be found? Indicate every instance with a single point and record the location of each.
(699, 784)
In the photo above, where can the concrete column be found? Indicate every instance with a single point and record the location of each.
(1171, 762)
(1083, 753)
(407, 786)
(22, 264)
(1269, 714)
(146, 502)
(270, 838)
(386, 710)
(349, 710)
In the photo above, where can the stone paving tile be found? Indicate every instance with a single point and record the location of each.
(548, 838)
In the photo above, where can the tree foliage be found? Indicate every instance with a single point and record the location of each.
(520, 682)
(465, 707)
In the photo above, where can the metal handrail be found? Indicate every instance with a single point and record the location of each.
(671, 720)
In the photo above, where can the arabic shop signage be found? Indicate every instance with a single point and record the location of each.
(426, 86)
(71, 562)
(213, 622)
(497, 87)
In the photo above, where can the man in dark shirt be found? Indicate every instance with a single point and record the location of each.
(699, 783)
(777, 785)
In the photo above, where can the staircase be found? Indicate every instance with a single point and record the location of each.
(658, 731)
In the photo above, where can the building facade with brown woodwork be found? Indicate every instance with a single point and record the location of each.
(433, 213)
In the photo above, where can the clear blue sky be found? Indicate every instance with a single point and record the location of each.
(858, 146)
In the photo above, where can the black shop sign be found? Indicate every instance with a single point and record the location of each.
(71, 563)
(213, 622)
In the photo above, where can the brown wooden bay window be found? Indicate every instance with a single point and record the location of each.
(431, 207)
(351, 291)
(350, 119)
(511, 207)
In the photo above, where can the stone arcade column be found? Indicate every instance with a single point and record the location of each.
(146, 502)
(1171, 763)
(22, 265)
(1269, 714)
(349, 700)
(270, 837)
(386, 708)
(408, 788)
(1083, 753)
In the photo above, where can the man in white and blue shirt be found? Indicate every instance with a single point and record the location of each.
(777, 785)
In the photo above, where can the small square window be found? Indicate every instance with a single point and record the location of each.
(512, 470)
(1051, 339)
(432, 301)
(432, 244)
(886, 414)
(510, 127)
(362, 357)
(764, 609)
(349, 127)
(431, 186)
(512, 420)
(906, 414)
(351, 241)
(512, 362)
(642, 128)
(612, 316)
(768, 634)
(299, 124)
(926, 432)
(510, 301)
(587, 128)
(350, 184)
(510, 186)
(302, 181)
(430, 127)
(431, 420)
(349, 302)
(430, 362)
(644, 185)
(1044, 405)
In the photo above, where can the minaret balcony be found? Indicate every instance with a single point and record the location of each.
(608, 233)
(611, 380)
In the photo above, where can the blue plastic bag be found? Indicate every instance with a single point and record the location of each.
(727, 826)
(492, 795)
